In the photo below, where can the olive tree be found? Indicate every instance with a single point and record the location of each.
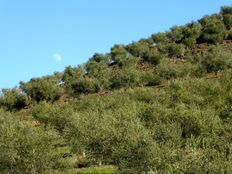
(217, 59)
(226, 13)
(98, 68)
(213, 29)
(13, 99)
(24, 149)
(45, 88)
(191, 33)
(77, 82)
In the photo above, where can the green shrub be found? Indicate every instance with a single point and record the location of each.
(114, 136)
(13, 99)
(167, 70)
(153, 56)
(160, 38)
(99, 71)
(213, 29)
(216, 59)
(138, 49)
(191, 34)
(24, 149)
(86, 85)
(226, 13)
(46, 88)
(126, 77)
(176, 34)
(53, 115)
(77, 82)
(175, 50)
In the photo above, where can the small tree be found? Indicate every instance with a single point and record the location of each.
(138, 49)
(175, 50)
(122, 57)
(45, 88)
(153, 56)
(213, 29)
(217, 59)
(99, 71)
(126, 77)
(13, 99)
(101, 58)
(191, 32)
(166, 71)
(85, 85)
(76, 81)
(25, 149)
(227, 19)
(176, 34)
(226, 10)
(159, 38)
(118, 51)
(226, 13)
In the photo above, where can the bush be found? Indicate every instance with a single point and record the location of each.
(213, 29)
(99, 71)
(153, 56)
(138, 49)
(46, 88)
(24, 149)
(122, 57)
(175, 50)
(167, 70)
(77, 82)
(226, 13)
(86, 85)
(191, 34)
(176, 34)
(114, 137)
(53, 115)
(13, 99)
(227, 19)
(217, 59)
(126, 77)
(160, 38)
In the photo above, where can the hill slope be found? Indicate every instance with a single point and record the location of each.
(159, 105)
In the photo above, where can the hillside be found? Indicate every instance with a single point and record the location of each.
(159, 105)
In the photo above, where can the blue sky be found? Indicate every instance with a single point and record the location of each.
(38, 37)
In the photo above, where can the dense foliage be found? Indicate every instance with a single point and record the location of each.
(159, 105)
(23, 148)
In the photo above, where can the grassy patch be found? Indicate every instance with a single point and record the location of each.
(97, 170)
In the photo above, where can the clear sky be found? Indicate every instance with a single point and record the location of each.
(38, 37)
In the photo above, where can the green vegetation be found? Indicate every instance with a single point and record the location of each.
(159, 105)
(25, 149)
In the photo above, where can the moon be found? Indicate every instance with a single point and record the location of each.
(57, 57)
